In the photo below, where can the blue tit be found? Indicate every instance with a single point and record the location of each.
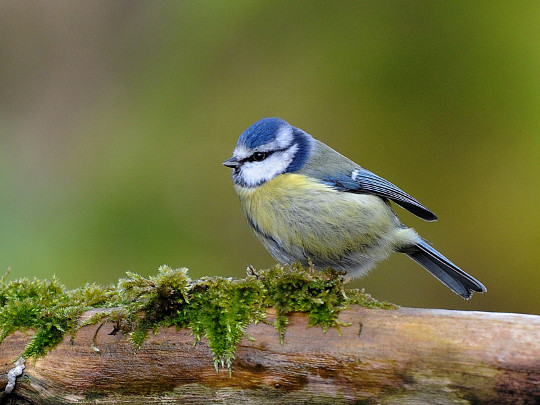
(306, 202)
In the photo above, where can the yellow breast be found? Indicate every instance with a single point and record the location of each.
(296, 210)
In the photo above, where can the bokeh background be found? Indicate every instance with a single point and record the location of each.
(115, 117)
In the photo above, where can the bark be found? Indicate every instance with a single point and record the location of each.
(404, 356)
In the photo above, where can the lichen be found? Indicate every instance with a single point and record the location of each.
(216, 308)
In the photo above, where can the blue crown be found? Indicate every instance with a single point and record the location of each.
(262, 132)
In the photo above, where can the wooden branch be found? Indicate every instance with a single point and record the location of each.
(413, 356)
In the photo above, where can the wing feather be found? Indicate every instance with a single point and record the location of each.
(365, 182)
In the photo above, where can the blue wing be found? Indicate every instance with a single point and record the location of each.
(363, 181)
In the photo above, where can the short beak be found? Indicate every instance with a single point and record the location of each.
(231, 162)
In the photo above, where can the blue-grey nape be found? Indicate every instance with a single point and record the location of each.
(262, 132)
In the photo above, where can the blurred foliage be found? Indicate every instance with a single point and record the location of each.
(115, 118)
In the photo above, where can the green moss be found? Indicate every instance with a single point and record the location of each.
(46, 307)
(218, 309)
(320, 294)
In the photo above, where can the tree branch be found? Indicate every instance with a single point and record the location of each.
(385, 356)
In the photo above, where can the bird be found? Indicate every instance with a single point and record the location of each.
(307, 203)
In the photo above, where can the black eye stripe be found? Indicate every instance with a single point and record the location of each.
(257, 157)
(260, 156)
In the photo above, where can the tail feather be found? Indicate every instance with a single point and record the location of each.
(444, 270)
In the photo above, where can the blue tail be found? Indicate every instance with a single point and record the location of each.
(444, 270)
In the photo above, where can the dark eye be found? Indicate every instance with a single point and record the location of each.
(259, 156)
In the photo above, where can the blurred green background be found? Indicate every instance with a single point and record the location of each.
(115, 118)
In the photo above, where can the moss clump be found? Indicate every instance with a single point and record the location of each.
(319, 294)
(216, 308)
(220, 309)
(46, 307)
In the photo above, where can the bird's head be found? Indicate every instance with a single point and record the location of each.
(266, 149)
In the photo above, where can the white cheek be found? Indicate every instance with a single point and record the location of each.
(256, 173)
